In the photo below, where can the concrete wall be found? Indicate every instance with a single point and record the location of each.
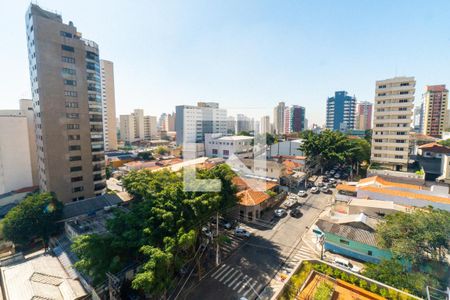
(15, 163)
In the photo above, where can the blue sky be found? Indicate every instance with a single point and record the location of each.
(247, 55)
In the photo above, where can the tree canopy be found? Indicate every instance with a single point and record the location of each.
(328, 148)
(161, 230)
(161, 150)
(146, 155)
(418, 236)
(445, 142)
(34, 217)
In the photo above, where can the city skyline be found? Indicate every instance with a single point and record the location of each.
(182, 61)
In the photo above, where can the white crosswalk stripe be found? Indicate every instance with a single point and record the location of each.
(224, 275)
(215, 272)
(220, 273)
(232, 275)
(235, 279)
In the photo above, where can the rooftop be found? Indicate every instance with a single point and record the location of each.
(89, 206)
(251, 197)
(348, 231)
(39, 276)
(435, 147)
(235, 138)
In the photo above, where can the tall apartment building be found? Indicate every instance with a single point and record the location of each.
(231, 125)
(394, 102)
(15, 156)
(137, 127)
(294, 119)
(67, 101)
(278, 117)
(167, 122)
(264, 125)
(193, 122)
(244, 123)
(363, 117)
(26, 108)
(341, 111)
(418, 118)
(435, 102)
(108, 105)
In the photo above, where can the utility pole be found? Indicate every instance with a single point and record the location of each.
(322, 241)
(217, 238)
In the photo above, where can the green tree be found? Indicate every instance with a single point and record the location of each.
(245, 133)
(359, 150)
(445, 142)
(418, 236)
(146, 155)
(161, 231)
(108, 171)
(161, 150)
(266, 138)
(34, 217)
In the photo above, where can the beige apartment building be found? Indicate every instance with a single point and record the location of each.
(393, 109)
(137, 127)
(67, 104)
(435, 102)
(109, 105)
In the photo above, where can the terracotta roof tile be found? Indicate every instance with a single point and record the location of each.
(345, 187)
(406, 194)
(251, 197)
(380, 181)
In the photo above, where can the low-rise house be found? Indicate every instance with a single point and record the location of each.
(377, 188)
(445, 169)
(219, 145)
(285, 148)
(39, 276)
(431, 157)
(262, 169)
(352, 236)
(255, 196)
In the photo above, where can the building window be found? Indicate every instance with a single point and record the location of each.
(74, 147)
(214, 151)
(73, 126)
(404, 93)
(74, 158)
(76, 179)
(75, 169)
(68, 71)
(73, 116)
(68, 59)
(74, 137)
(72, 104)
(77, 189)
(66, 34)
(70, 82)
(344, 242)
(70, 94)
(226, 152)
(404, 84)
(67, 48)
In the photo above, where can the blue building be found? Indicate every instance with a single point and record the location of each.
(341, 111)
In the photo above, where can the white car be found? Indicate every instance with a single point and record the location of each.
(346, 265)
(280, 212)
(314, 190)
(239, 231)
(302, 193)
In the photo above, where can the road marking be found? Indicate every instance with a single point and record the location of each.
(223, 270)
(231, 283)
(231, 276)
(220, 268)
(251, 288)
(224, 275)
(243, 286)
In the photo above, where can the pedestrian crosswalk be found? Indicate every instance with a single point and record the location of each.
(230, 243)
(304, 252)
(233, 278)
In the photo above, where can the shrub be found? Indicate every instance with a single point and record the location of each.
(352, 279)
(324, 291)
(383, 292)
(393, 295)
(344, 276)
(373, 288)
(297, 280)
(337, 273)
(329, 271)
(363, 284)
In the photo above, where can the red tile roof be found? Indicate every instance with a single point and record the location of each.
(435, 147)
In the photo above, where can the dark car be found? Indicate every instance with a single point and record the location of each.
(296, 213)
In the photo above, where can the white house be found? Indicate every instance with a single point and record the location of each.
(286, 148)
(218, 145)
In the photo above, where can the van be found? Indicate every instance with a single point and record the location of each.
(343, 263)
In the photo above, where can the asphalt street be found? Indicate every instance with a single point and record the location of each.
(247, 271)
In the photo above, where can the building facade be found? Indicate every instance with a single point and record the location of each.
(26, 108)
(15, 158)
(394, 102)
(364, 115)
(278, 118)
(435, 102)
(218, 145)
(67, 102)
(193, 122)
(264, 125)
(137, 127)
(418, 118)
(294, 119)
(341, 111)
(109, 105)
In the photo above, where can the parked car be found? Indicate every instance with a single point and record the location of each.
(239, 231)
(325, 189)
(332, 172)
(290, 203)
(280, 212)
(302, 193)
(314, 190)
(224, 223)
(296, 213)
(346, 264)
(325, 179)
(206, 231)
(332, 180)
(337, 175)
(320, 184)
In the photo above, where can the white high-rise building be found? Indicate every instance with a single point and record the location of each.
(265, 126)
(278, 117)
(193, 122)
(15, 161)
(127, 128)
(393, 110)
(108, 105)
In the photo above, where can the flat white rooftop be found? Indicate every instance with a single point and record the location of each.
(235, 138)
